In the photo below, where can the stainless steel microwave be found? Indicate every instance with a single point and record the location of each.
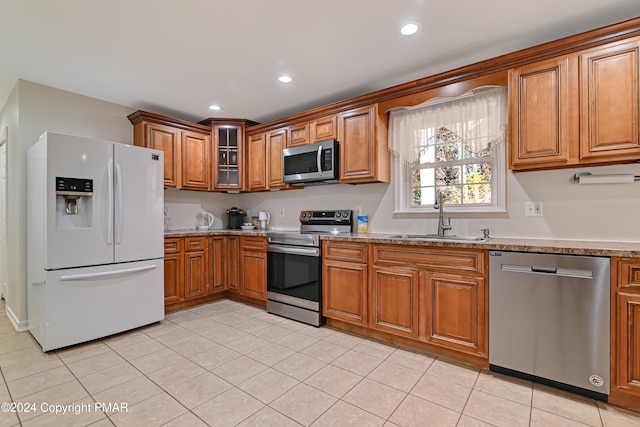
(310, 164)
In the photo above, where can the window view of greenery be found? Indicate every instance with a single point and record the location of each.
(447, 163)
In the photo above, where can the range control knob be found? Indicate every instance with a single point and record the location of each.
(338, 214)
(345, 214)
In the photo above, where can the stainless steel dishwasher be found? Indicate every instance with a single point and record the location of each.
(549, 319)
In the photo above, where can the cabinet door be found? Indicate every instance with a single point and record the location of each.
(324, 128)
(254, 274)
(195, 152)
(394, 301)
(233, 273)
(541, 102)
(217, 264)
(627, 324)
(167, 139)
(173, 271)
(227, 157)
(610, 99)
(364, 155)
(344, 291)
(276, 142)
(195, 269)
(455, 312)
(256, 162)
(299, 135)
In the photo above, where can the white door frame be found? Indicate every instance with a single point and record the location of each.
(4, 137)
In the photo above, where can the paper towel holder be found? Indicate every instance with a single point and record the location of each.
(605, 179)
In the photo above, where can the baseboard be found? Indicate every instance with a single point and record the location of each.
(17, 325)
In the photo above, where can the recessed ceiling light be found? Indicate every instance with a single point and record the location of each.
(409, 29)
(215, 107)
(285, 79)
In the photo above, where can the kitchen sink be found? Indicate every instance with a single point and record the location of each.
(452, 237)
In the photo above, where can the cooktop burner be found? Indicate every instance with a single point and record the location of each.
(326, 222)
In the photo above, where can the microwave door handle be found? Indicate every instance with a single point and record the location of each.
(319, 158)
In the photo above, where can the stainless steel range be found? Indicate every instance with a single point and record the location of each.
(294, 265)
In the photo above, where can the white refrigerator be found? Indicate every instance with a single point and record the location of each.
(95, 239)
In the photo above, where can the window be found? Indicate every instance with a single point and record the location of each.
(454, 146)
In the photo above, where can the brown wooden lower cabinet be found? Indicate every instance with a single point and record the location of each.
(345, 281)
(253, 267)
(217, 264)
(344, 292)
(195, 267)
(455, 312)
(435, 296)
(394, 300)
(233, 261)
(173, 271)
(625, 332)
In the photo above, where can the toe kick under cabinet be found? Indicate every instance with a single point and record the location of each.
(427, 295)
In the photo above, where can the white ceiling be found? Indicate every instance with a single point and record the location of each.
(178, 57)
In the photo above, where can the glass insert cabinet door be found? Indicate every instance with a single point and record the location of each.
(228, 159)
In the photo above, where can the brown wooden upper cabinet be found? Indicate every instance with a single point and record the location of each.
(257, 162)
(276, 142)
(186, 147)
(228, 143)
(576, 110)
(539, 115)
(228, 153)
(364, 155)
(609, 101)
(264, 160)
(317, 130)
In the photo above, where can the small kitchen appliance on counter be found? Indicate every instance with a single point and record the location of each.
(235, 218)
(294, 265)
(264, 218)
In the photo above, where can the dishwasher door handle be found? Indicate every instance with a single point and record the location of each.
(559, 272)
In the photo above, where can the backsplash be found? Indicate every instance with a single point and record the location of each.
(571, 211)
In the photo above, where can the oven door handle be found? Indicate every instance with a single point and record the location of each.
(315, 252)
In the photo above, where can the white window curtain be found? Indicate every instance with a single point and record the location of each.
(478, 117)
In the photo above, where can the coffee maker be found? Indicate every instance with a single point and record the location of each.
(235, 218)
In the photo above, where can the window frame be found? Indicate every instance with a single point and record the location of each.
(401, 173)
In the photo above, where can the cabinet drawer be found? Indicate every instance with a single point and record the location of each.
(345, 251)
(255, 243)
(172, 246)
(629, 273)
(441, 259)
(194, 244)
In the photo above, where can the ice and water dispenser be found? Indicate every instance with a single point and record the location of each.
(74, 202)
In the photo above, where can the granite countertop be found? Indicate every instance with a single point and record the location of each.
(192, 232)
(556, 246)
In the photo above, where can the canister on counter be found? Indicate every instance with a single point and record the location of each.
(363, 223)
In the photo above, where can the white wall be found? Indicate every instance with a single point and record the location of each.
(9, 118)
(33, 109)
(184, 206)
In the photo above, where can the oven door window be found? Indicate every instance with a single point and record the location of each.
(294, 275)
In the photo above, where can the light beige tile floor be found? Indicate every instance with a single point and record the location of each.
(227, 364)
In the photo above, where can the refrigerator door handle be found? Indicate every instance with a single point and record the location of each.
(105, 274)
(120, 207)
(110, 203)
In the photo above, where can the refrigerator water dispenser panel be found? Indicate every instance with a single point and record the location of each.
(73, 197)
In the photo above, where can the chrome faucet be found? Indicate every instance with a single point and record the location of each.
(444, 224)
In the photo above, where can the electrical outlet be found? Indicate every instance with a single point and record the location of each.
(358, 210)
(532, 209)
(281, 213)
